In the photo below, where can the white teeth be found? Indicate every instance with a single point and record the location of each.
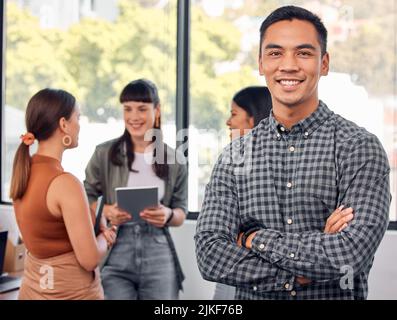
(289, 82)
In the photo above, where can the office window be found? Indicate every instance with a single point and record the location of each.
(361, 86)
(91, 49)
(224, 37)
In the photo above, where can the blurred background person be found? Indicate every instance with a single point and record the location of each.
(248, 107)
(143, 263)
(51, 206)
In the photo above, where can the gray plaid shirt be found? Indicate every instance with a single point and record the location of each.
(287, 183)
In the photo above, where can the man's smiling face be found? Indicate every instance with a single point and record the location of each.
(292, 63)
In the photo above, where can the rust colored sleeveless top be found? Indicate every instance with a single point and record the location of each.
(44, 235)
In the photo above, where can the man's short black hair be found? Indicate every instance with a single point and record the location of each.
(290, 13)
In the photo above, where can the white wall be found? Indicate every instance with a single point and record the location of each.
(383, 275)
(382, 280)
(195, 287)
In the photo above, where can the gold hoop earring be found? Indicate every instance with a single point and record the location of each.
(66, 140)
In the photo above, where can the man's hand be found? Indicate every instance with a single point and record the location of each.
(303, 281)
(239, 239)
(338, 220)
(248, 241)
(115, 215)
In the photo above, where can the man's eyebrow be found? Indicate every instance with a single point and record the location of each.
(273, 46)
(306, 46)
(301, 46)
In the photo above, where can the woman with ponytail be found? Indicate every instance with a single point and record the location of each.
(51, 207)
(143, 263)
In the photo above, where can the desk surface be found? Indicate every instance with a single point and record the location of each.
(11, 295)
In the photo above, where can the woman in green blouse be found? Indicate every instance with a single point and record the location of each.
(143, 263)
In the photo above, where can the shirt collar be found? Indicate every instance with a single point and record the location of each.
(307, 126)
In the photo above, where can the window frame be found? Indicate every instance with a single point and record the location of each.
(182, 107)
(2, 99)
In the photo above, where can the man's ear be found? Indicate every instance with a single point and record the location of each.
(325, 64)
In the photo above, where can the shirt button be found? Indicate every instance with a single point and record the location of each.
(289, 185)
(261, 247)
(278, 137)
(289, 221)
(282, 129)
(293, 293)
(306, 134)
(291, 148)
(286, 286)
(292, 255)
(255, 288)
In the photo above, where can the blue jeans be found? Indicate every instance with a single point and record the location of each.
(140, 266)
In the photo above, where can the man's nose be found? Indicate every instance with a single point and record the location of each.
(289, 63)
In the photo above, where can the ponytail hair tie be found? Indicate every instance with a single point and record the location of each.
(28, 138)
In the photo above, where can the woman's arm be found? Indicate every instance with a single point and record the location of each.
(66, 197)
(162, 216)
(177, 218)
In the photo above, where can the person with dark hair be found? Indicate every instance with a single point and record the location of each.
(273, 190)
(249, 106)
(143, 264)
(51, 206)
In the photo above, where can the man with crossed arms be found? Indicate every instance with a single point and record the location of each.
(261, 225)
